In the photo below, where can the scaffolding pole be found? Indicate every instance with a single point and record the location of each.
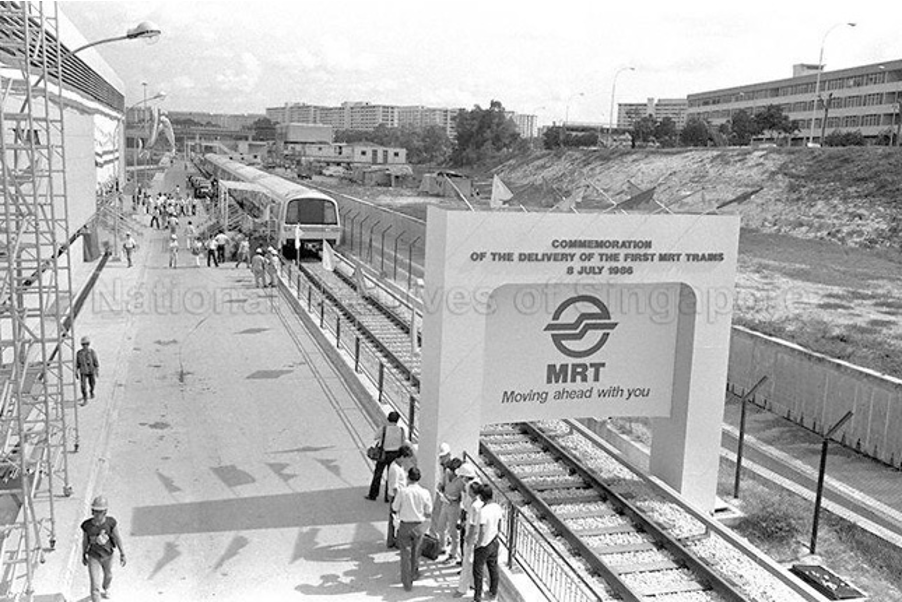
(37, 354)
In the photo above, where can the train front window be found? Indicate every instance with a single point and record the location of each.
(310, 211)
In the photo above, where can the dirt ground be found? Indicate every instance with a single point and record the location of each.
(837, 299)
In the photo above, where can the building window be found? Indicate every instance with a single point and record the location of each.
(835, 84)
(874, 79)
(852, 101)
(870, 120)
(871, 100)
(397, 154)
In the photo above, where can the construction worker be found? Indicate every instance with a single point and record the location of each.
(100, 538)
(87, 369)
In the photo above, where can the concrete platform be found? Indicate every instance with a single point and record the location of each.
(230, 449)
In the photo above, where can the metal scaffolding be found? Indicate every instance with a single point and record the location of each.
(37, 367)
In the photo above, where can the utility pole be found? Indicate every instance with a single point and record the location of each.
(817, 80)
(826, 102)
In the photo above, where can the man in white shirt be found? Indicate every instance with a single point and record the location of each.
(413, 506)
(472, 505)
(486, 551)
(129, 246)
(397, 478)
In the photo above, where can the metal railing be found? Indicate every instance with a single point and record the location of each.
(398, 391)
(530, 549)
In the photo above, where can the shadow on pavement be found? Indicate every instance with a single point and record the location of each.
(376, 572)
(281, 511)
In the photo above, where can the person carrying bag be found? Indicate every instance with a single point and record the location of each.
(391, 437)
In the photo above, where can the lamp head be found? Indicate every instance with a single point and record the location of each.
(145, 30)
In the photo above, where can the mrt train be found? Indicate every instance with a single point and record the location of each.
(314, 212)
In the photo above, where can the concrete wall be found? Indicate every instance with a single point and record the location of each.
(816, 391)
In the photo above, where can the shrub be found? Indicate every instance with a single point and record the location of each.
(840, 138)
(772, 517)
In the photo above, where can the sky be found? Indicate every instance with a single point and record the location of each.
(558, 60)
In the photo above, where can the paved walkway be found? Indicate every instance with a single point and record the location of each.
(229, 448)
(854, 483)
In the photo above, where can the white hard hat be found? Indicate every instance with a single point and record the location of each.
(100, 503)
(467, 471)
(444, 449)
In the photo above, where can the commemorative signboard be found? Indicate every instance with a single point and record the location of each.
(533, 316)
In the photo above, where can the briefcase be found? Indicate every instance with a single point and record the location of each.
(430, 548)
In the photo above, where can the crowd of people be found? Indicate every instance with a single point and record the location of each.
(217, 248)
(460, 517)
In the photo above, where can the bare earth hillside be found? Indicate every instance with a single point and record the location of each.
(848, 195)
(820, 260)
(819, 252)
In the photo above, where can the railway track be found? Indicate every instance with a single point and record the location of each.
(378, 325)
(639, 559)
(642, 547)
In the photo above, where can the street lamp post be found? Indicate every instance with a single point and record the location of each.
(817, 81)
(144, 31)
(567, 115)
(611, 114)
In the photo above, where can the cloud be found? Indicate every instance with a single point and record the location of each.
(182, 82)
(338, 55)
(243, 78)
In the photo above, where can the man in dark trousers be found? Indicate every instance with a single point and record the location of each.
(413, 507)
(87, 369)
(100, 538)
(485, 554)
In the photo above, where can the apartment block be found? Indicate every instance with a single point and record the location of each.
(419, 116)
(630, 112)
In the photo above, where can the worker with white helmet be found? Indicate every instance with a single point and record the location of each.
(87, 369)
(100, 538)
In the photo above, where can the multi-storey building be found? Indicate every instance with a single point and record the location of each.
(228, 121)
(419, 116)
(295, 113)
(864, 98)
(526, 124)
(630, 112)
(364, 116)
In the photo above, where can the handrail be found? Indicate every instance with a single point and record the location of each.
(514, 514)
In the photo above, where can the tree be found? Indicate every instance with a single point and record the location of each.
(424, 145)
(840, 138)
(551, 138)
(694, 133)
(483, 134)
(666, 133)
(435, 146)
(772, 119)
(264, 129)
(643, 130)
(742, 128)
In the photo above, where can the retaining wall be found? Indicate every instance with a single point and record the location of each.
(816, 391)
